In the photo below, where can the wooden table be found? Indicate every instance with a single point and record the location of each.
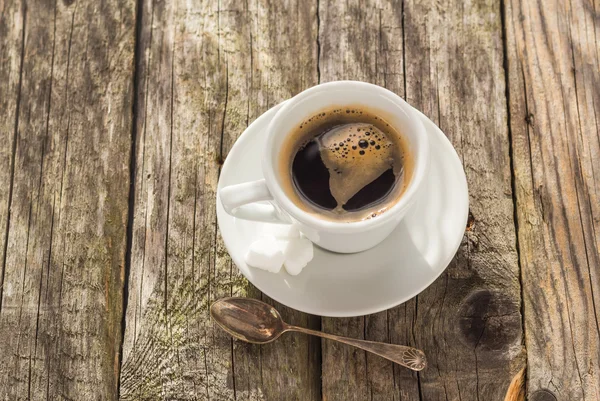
(116, 116)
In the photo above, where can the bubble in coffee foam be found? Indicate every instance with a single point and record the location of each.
(312, 153)
(358, 168)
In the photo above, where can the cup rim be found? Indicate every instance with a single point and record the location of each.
(311, 220)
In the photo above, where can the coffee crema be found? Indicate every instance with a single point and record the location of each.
(345, 164)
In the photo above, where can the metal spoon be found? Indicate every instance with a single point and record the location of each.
(259, 323)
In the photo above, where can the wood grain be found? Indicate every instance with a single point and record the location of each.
(205, 72)
(554, 96)
(280, 61)
(61, 308)
(468, 322)
(170, 349)
(12, 18)
(365, 43)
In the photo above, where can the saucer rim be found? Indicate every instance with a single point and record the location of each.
(441, 137)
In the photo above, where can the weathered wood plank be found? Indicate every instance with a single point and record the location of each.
(206, 71)
(365, 43)
(554, 81)
(12, 18)
(279, 59)
(61, 310)
(468, 322)
(170, 350)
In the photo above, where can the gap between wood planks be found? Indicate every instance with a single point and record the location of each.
(512, 177)
(132, 174)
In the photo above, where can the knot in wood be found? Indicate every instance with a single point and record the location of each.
(489, 320)
(543, 395)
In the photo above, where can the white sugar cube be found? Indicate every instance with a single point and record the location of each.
(280, 245)
(267, 254)
(298, 252)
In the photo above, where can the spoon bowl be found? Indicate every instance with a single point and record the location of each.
(257, 322)
(248, 319)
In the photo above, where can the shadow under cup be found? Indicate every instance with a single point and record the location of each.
(339, 235)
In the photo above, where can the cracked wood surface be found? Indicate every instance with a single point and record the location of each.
(67, 88)
(88, 91)
(554, 97)
(206, 70)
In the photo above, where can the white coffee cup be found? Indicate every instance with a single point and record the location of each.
(247, 200)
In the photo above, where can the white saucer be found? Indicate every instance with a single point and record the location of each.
(341, 285)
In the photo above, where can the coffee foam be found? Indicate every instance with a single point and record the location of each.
(342, 187)
(355, 155)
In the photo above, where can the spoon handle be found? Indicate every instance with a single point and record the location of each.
(409, 357)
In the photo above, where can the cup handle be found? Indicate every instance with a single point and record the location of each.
(241, 201)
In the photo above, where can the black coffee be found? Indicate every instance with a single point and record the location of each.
(345, 163)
